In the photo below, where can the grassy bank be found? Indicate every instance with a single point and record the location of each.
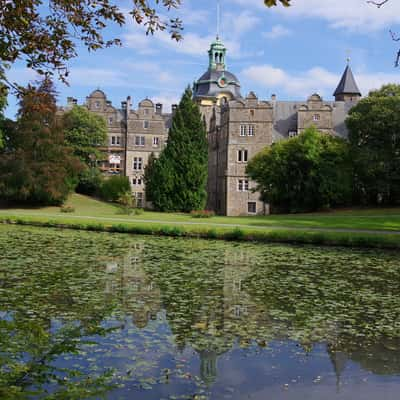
(358, 228)
(348, 239)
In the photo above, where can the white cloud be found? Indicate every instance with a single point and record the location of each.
(315, 80)
(354, 15)
(238, 24)
(276, 32)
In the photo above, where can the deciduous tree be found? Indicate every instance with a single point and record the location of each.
(84, 132)
(374, 134)
(305, 173)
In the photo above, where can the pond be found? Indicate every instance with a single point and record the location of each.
(97, 315)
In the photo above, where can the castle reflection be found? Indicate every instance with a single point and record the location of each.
(212, 308)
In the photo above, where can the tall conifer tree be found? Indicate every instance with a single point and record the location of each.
(177, 180)
(38, 167)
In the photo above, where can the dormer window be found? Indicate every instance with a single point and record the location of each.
(97, 104)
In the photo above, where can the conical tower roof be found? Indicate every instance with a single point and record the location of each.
(347, 84)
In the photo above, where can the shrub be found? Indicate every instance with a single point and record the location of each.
(114, 187)
(90, 182)
(67, 209)
(202, 214)
(236, 234)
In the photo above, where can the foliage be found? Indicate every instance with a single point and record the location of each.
(126, 203)
(374, 134)
(84, 132)
(90, 181)
(114, 187)
(202, 214)
(47, 37)
(38, 168)
(305, 173)
(177, 180)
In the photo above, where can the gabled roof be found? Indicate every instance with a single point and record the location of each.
(347, 84)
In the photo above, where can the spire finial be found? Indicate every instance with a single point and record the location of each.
(218, 18)
(348, 56)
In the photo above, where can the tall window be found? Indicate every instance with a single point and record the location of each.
(146, 124)
(252, 207)
(110, 120)
(137, 163)
(243, 185)
(242, 156)
(139, 140)
(243, 130)
(113, 140)
(156, 141)
(118, 139)
(252, 130)
(139, 199)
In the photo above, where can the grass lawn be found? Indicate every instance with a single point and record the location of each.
(371, 219)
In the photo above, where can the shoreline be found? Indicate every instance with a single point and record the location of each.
(314, 236)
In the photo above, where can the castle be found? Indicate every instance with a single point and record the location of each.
(237, 128)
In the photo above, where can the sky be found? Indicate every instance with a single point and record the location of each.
(291, 52)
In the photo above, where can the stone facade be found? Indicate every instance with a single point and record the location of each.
(237, 129)
(133, 135)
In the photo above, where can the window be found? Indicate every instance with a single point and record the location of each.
(243, 185)
(137, 181)
(96, 104)
(242, 156)
(146, 111)
(252, 130)
(252, 207)
(292, 134)
(156, 141)
(139, 140)
(110, 120)
(137, 163)
(252, 113)
(115, 140)
(139, 199)
(146, 124)
(243, 130)
(316, 117)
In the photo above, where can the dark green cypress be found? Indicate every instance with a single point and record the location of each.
(177, 180)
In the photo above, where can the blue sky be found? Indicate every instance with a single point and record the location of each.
(288, 52)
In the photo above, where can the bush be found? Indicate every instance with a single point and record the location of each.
(67, 209)
(90, 182)
(202, 214)
(113, 188)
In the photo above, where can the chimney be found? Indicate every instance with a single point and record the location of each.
(159, 108)
(273, 97)
(174, 108)
(108, 103)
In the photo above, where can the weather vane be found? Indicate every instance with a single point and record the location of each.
(348, 56)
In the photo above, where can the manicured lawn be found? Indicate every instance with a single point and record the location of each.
(376, 219)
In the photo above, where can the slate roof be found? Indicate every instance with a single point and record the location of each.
(285, 117)
(207, 85)
(347, 84)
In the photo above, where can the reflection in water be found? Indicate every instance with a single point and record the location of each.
(183, 319)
